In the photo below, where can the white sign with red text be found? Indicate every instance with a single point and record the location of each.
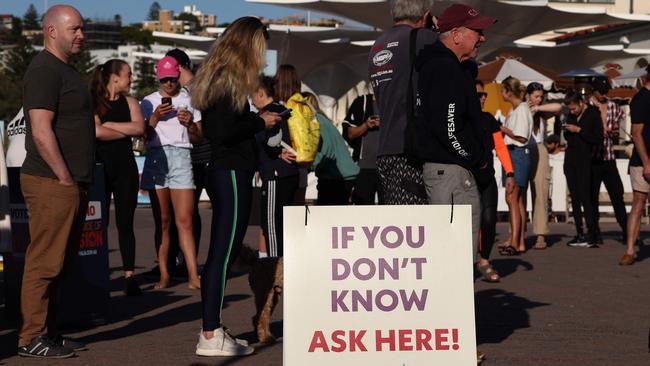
(378, 285)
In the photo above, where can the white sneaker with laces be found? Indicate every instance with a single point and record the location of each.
(221, 344)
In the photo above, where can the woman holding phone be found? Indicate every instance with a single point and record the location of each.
(172, 125)
(220, 90)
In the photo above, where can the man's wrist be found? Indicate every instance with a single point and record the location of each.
(510, 175)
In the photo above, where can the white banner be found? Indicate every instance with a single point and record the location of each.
(378, 285)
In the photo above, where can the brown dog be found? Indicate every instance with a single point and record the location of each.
(266, 279)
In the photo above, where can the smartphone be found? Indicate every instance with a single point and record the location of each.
(166, 100)
(285, 113)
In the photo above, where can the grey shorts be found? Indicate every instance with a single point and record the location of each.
(639, 183)
(452, 184)
(179, 165)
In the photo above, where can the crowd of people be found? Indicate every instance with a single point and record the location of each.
(421, 137)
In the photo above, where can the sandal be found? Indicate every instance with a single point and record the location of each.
(509, 251)
(489, 273)
(540, 245)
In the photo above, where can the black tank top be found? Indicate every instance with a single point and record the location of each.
(116, 151)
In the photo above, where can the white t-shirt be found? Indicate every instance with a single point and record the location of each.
(539, 136)
(520, 121)
(169, 131)
(16, 130)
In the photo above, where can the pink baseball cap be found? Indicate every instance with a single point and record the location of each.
(167, 67)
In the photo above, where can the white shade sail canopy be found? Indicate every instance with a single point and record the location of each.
(519, 70)
(630, 79)
(516, 19)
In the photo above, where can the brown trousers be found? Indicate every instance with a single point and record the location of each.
(56, 215)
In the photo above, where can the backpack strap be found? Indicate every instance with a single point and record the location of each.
(410, 100)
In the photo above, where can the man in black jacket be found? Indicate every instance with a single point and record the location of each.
(583, 133)
(448, 136)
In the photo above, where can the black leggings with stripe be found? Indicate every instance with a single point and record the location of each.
(230, 193)
(276, 194)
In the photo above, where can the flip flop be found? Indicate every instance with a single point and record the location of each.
(509, 251)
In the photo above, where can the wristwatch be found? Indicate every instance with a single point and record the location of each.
(510, 175)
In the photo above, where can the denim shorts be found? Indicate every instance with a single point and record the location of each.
(520, 157)
(179, 163)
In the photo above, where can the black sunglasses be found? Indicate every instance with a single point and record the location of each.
(482, 94)
(479, 31)
(265, 31)
(168, 80)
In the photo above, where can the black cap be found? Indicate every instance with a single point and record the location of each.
(181, 57)
(601, 85)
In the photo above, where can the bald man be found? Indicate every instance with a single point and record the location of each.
(54, 178)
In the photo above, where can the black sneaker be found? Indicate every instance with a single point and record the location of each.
(43, 347)
(578, 241)
(70, 343)
(131, 287)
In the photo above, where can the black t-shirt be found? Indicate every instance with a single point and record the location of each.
(640, 114)
(51, 84)
(364, 147)
(389, 70)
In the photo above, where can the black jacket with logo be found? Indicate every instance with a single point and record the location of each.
(448, 124)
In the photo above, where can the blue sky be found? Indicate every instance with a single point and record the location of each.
(136, 10)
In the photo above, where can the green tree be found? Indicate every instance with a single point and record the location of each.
(154, 10)
(191, 18)
(11, 86)
(31, 18)
(84, 63)
(135, 35)
(145, 74)
(16, 28)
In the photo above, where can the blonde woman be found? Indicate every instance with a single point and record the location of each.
(518, 128)
(220, 90)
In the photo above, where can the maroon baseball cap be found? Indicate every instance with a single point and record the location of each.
(461, 15)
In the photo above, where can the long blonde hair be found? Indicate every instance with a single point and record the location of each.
(232, 66)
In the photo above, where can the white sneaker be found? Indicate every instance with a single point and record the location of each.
(243, 342)
(221, 344)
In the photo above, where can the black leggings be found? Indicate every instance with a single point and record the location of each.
(276, 194)
(230, 193)
(578, 178)
(121, 179)
(489, 198)
(606, 172)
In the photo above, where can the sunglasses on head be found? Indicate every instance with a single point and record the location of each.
(265, 31)
(482, 94)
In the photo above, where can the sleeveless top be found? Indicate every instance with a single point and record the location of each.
(116, 150)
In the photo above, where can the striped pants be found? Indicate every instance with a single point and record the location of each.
(230, 193)
(276, 194)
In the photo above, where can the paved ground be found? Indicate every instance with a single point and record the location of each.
(560, 306)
